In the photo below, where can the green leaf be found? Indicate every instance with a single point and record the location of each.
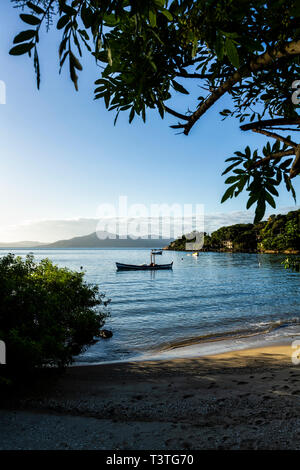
(64, 58)
(73, 75)
(30, 19)
(228, 193)
(240, 154)
(22, 48)
(219, 47)
(161, 109)
(232, 179)
(179, 88)
(35, 8)
(62, 46)
(101, 81)
(167, 14)
(67, 9)
(260, 210)
(272, 190)
(153, 65)
(289, 186)
(100, 89)
(270, 200)
(63, 20)
(231, 159)
(111, 20)
(152, 18)
(131, 115)
(230, 167)
(159, 3)
(279, 177)
(285, 164)
(86, 16)
(116, 118)
(107, 98)
(293, 193)
(248, 152)
(75, 61)
(25, 36)
(99, 95)
(252, 199)
(241, 184)
(232, 52)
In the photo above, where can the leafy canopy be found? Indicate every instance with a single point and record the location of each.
(149, 50)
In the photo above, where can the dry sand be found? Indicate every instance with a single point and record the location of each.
(247, 399)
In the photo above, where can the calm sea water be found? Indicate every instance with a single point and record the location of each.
(216, 295)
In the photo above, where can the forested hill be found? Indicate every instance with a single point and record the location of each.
(280, 233)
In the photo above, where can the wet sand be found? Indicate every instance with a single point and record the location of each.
(246, 399)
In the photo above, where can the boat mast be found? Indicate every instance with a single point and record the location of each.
(152, 255)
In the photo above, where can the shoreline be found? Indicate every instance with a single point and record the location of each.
(280, 347)
(212, 344)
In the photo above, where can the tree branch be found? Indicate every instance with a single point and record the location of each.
(270, 123)
(260, 62)
(195, 75)
(272, 157)
(260, 128)
(174, 113)
(295, 170)
(285, 129)
(286, 141)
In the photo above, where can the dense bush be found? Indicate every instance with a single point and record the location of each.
(281, 232)
(242, 236)
(292, 263)
(47, 314)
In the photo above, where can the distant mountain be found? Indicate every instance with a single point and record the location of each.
(93, 241)
(24, 244)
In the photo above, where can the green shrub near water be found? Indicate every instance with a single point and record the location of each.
(47, 314)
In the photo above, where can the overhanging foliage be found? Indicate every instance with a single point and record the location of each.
(149, 50)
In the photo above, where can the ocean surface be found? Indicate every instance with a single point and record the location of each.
(213, 303)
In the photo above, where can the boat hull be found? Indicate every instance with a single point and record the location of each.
(142, 267)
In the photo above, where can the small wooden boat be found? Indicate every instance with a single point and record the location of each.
(143, 267)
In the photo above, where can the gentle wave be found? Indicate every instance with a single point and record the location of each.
(227, 335)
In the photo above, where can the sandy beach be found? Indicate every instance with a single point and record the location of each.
(246, 399)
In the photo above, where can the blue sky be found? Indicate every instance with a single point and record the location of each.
(61, 155)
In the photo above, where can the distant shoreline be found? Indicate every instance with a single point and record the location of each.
(37, 248)
(224, 250)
